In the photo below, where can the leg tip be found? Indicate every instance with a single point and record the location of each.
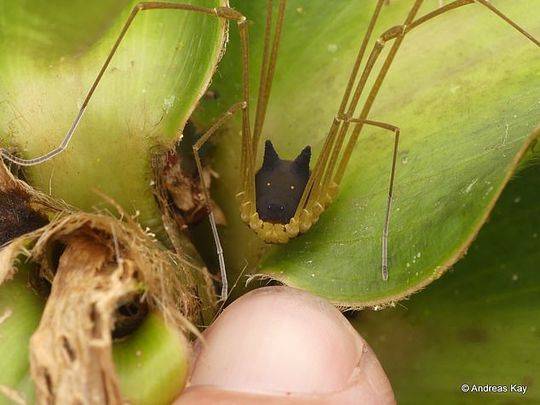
(385, 273)
(224, 295)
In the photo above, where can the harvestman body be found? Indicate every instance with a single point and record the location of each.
(285, 198)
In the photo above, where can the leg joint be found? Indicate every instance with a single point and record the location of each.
(230, 14)
(347, 118)
(392, 33)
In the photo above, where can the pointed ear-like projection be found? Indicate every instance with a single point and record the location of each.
(302, 160)
(270, 155)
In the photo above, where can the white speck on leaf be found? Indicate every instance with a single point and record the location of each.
(471, 185)
(332, 48)
(169, 102)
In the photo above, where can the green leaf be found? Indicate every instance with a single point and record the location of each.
(464, 91)
(152, 363)
(479, 324)
(21, 310)
(50, 54)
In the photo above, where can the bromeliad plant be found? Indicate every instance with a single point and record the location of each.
(461, 89)
(141, 277)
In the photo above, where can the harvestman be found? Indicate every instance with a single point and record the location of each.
(284, 198)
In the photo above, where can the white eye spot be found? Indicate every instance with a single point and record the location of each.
(292, 187)
(268, 184)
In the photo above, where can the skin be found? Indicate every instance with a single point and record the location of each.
(279, 345)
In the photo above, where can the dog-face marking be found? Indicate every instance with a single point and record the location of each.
(279, 184)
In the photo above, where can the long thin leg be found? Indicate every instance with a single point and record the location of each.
(313, 186)
(384, 250)
(221, 12)
(267, 69)
(398, 33)
(460, 3)
(196, 147)
(246, 155)
(264, 69)
(324, 169)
